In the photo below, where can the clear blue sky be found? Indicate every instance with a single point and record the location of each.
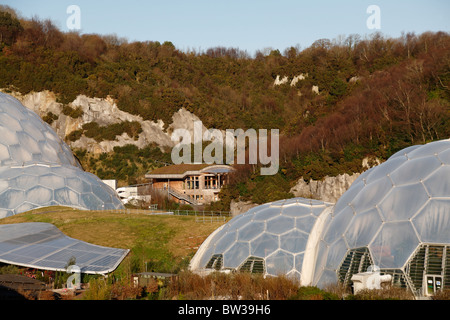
(244, 24)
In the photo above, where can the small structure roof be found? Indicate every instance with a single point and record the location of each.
(15, 281)
(43, 246)
(179, 171)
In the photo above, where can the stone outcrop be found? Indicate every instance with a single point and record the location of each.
(238, 207)
(104, 112)
(329, 189)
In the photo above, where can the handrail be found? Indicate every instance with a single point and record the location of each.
(200, 216)
(181, 196)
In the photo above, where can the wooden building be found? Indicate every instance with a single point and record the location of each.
(195, 184)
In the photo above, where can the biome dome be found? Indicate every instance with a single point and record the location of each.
(38, 169)
(395, 216)
(27, 140)
(271, 239)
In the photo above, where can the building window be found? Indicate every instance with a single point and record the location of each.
(210, 182)
(192, 182)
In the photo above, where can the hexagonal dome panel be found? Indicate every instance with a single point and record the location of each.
(24, 148)
(38, 169)
(269, 239)
(388, 213)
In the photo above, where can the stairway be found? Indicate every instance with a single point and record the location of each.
(182, 196)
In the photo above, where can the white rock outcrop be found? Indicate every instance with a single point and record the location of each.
(315, 89)
(330, 189)
(298, 78)
(238, 207)
(279, 81)
(104, 112)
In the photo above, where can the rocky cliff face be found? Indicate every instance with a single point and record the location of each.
(104, 112)
(238, 207)
(329, 189)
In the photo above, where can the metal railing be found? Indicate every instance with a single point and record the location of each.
(200, 215)
(205, 216)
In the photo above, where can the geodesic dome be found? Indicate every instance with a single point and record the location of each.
(271, 239)
(27, 140)
(38, 169)
(395, 216)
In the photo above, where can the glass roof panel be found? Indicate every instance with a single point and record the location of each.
(280, 262)
(363, 228)
(438, 183)
(280, 224)
(236, 254)
(394, 244)
(433, 222)
(403, 202)
(415, 170)
(264, 245)
(294, 241)
(42, 246)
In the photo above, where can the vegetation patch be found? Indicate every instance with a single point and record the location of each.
(128, 164)
(110, 132)
(74, 113)
(160, 243)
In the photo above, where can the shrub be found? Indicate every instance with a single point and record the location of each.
(391, 293)
(74, 135)
(73, 112)
(125, 290)
(50, 117)
(233, 286)
(313, 293)
(109, 132)
(9, 269)
(186, 207)
(98, 289)
(442, 295)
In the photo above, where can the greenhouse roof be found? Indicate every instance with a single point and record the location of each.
(43, 246)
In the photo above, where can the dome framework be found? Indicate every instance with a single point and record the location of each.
(38, 169)
(394, 218)
(270, 239)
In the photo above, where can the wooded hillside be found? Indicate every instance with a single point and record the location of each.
(376, 95)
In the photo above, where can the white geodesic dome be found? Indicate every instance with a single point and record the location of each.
(27, 140)
(392, 216)
(38, 169)
(271, 239)
(395, 218)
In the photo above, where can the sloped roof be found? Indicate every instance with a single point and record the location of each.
(15, 282)
(181, 170)
(43, 246)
